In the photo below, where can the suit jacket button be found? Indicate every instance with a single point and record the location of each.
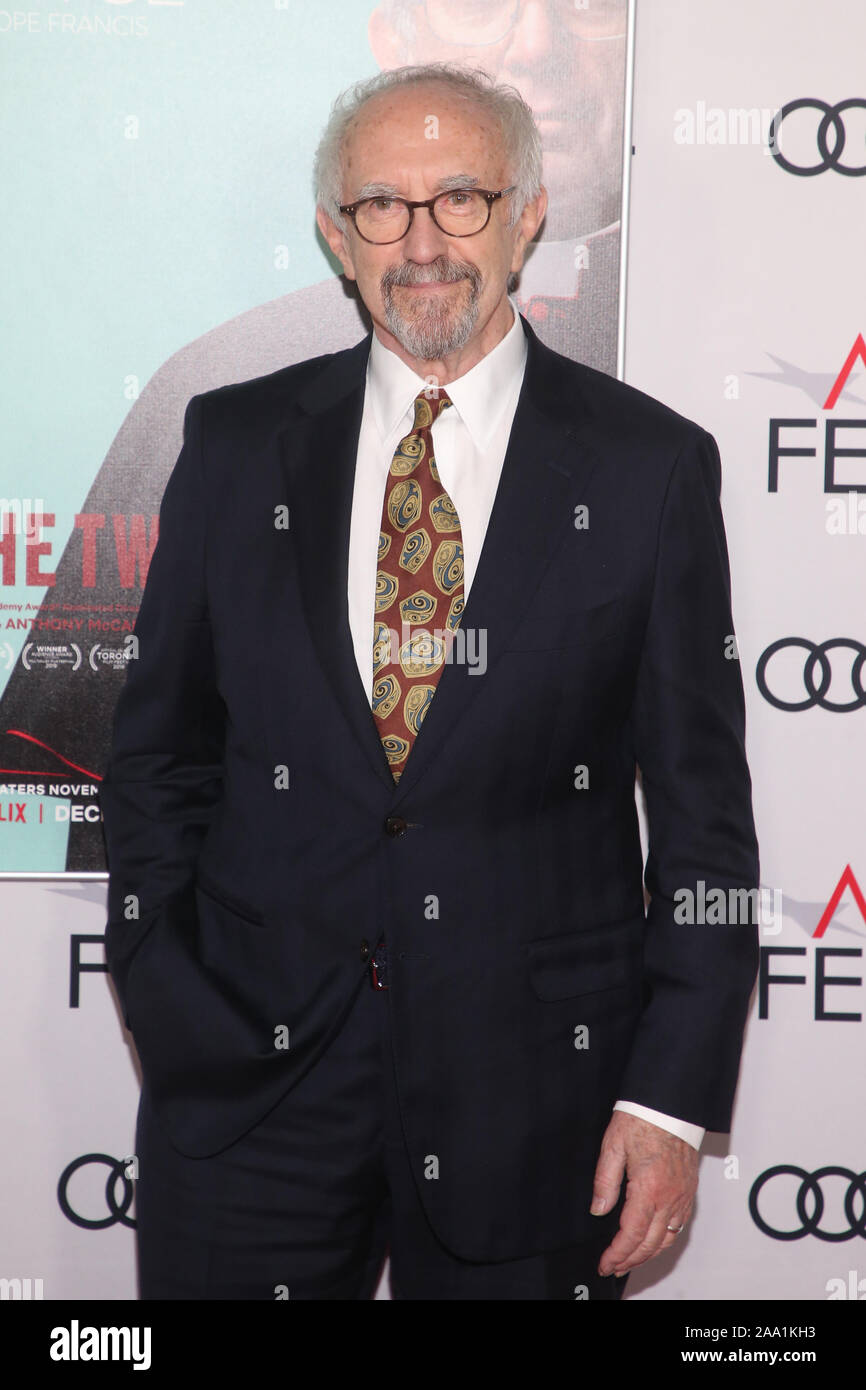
(395, 825)
(365, 950)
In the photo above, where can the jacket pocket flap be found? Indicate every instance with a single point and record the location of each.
(585, 961)
(212, 892)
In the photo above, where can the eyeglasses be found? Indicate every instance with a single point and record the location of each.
(459, 212)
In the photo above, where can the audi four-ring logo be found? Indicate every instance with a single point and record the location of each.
(831, 119)
(116, 1210)
(810, 1187)
(816, 661)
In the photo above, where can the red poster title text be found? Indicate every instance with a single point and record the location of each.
(134, 544)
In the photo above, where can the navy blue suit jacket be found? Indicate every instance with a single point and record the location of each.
(511, 898)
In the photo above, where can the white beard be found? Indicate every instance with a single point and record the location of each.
(435, 331)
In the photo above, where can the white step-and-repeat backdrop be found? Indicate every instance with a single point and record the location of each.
(746, 311)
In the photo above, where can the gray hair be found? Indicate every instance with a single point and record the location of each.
(502, 102)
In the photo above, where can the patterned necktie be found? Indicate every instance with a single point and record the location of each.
(419, 586)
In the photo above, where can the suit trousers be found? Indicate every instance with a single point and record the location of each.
(309, 1203)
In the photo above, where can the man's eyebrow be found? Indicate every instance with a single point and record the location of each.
(390, 190)
(457, 181)
(376, 190)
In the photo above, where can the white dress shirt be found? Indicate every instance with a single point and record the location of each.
(470, 442)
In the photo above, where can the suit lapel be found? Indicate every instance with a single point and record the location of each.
(531, 512)
(318, 455)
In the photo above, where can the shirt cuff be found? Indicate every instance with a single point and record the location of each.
(693, 1134)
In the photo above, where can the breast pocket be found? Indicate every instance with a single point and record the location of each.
(560, 628)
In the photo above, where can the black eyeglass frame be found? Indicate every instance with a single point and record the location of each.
(350, 209)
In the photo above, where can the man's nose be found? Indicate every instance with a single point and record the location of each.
(424, 241)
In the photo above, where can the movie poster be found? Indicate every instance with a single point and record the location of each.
(159, 216)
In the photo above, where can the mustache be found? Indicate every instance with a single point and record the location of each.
(442, 269)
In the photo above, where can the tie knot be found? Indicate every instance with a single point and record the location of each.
(429, 405)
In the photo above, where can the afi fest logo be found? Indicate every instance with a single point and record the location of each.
(844, 437)
(824, 975)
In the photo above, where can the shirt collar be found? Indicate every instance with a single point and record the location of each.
(479, 396)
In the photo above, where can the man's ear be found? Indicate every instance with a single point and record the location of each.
(336, 239)
(529, 222)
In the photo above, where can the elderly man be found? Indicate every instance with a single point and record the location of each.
(376, 905)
